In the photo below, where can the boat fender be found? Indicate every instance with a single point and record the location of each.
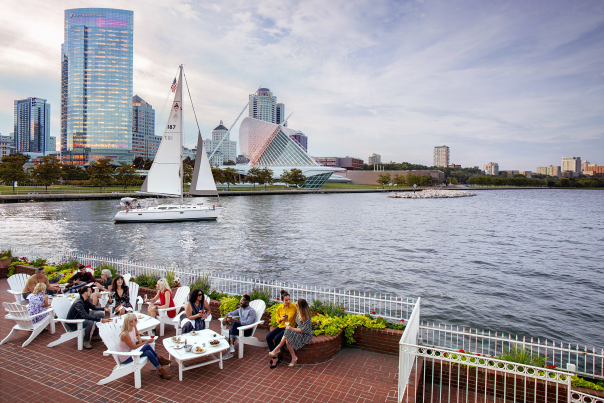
(213, 207)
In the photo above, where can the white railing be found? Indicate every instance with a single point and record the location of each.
(390, 307)
(586, 362)
(580, 397)
(406, 362)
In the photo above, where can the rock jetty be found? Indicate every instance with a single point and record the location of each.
(432, 194)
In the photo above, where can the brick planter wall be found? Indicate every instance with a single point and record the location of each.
(383, 341)
(320, 349)
(21, 268)
(476, 380)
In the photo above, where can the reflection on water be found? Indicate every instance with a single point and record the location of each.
(522, 261)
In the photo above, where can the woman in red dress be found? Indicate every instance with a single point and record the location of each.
(164, 295)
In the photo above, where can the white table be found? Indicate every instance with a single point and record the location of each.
(202, 336)
(145, 322)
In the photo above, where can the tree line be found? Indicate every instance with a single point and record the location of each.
(521, 180)
(402, 180)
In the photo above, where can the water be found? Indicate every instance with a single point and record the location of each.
(528, 262)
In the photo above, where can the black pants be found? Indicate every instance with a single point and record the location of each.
(274, 338)
(233, 332)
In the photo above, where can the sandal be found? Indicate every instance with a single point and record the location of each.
(274, 353)
(274, 366)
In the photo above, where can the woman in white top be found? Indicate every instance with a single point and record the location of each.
(130, 340)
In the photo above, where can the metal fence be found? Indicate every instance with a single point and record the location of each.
(406, 362)
(390, 307)
(586, 362)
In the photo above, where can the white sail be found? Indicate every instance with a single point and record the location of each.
(165, 175)
(202, 183)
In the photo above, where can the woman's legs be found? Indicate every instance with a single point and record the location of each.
(276, 335)
(278, 348)
(148, 352)
(292, 352)
(152, 310)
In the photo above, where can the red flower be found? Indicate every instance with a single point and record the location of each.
(277, 298)
(373, 312)
(402, 320)
(478, 355)
(433, 347)
(343, 309)
(492, 356)
(461, 351)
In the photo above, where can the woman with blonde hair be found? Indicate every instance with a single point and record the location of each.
(165, 300)
(130, 340)
(38, 302)
(297, 338)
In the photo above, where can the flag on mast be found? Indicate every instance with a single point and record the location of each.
(174, 85)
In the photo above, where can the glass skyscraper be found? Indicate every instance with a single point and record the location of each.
(96, 85)
(32, 126)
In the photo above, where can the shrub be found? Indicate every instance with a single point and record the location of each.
(217, 296)
(202, 283)
(522, 355)
(580, 382)
(71, 265)
(328, 308)
(171, 277)
(146, 280)
(273, 311)
(5, 254)
(228, 304)
(261, 293)
(332, 325)
(105, 266)
(38, 262)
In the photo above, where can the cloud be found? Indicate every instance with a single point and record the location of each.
(396, 78)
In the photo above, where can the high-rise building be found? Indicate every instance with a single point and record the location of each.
(225, 152)
(96, 85)
(263, 106)
(280, 114)
(144, 141)
(32, 125)
(301, 139)
(441, 156)
(554, 170)
(374, 159)
(541, 170)
(492, 168)
(52, 144)
(572, 164)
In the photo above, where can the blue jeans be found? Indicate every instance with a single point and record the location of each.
(148, 352)
(233, 332)
(48, 292)
(76, 287)
(274, 338)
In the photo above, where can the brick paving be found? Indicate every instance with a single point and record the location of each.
(62, 373)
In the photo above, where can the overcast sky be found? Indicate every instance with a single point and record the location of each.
(515, 82)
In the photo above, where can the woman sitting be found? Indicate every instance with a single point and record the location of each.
(165, 300)
(121, 296)
(297, 338)
(130, 340)
(38, 302)
(286, 315)
(104, 285)
(196, 310)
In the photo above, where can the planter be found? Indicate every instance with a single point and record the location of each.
(4, 263)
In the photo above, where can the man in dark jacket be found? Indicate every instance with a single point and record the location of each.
(80, 309)
(79, 279)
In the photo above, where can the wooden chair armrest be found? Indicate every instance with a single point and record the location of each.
(122, 354)
(169, 309)
(246, 327)
(70, 320)
(177, 317)
(15, 292)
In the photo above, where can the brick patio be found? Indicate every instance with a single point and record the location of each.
(38, 373)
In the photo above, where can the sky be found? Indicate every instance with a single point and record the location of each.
(520, 83)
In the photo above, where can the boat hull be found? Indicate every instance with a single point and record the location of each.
(168, 214)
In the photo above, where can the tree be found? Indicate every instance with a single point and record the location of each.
(454, 181)
(413, 180)
(147, 164)
(285, 177)
(11, 169)
(230, 177)
(188, 161)
(73, 173)
(425, 180)
(384, 179)
(101, 172)
(449, 180)
(138, 162)
(125, 175)
(188, 173)
(399, 180)
(253, 175)
(296, 177)
(47, 172)
(229, 162)
(266, 177)
(218, 175)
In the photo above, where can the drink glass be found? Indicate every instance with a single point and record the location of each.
(286, 323)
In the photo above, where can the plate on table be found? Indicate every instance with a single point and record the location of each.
(198, 350)
(214, 342)
(177, 347)
(193, 333)
(178, 339)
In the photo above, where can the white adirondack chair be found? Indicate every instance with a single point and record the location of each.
(17, 284)
(180, 299)
(176, 320)
(18, 313)
(135, 300)
(110, 333)
(127, 278)
(259, 306)
(61, 307)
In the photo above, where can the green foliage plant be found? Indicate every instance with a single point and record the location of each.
(70, 265)
(273, 311)
(333, 325)
(261, 293)
(202, 283)
(328, 308)
(6, 254)
(228, 304)
(38, 262)
(523, 356)
(171, 276)
(217, 296)
(105, 266)
(582, 383)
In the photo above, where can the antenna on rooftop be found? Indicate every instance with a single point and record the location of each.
(285, 121)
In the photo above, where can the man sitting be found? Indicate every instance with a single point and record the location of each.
(81, 278)
(33, 280)
(247, 316)
(80, 309)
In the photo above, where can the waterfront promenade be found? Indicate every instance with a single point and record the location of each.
(37, 373)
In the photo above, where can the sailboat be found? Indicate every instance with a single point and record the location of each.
(165, 178)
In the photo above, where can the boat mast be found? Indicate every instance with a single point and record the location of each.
(182, 172)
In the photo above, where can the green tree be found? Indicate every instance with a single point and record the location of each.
(73, 173)
(229, 162)
(147, 164)
(384, 179)
(425, 180)
(138, 162)
(413, 180)
(47, 172)
(11, 169)
(230, 177)
(285, 178)
(454, 181)
(252, 176)
(188, 161)
(125, 175)
(297, 177)
(218, 175)
(399, 180)
(101, 172)
(449, 180)
(188, 173)
(266, 177)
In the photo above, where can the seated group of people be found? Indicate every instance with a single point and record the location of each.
(294, 320)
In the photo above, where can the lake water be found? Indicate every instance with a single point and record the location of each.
(528, 262)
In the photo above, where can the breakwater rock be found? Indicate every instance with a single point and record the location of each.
(432, 194)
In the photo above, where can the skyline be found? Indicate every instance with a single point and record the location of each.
(516, 83)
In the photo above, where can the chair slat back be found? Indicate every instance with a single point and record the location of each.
(19, 314)
(17, 281)
(110, 333)
(127, 278)
(133, 290)
(181, 296)
(61, 307)
(259, 306)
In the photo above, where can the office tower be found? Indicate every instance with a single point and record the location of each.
(541, 170)
(31, 125)
(280, 114)
(441, 156)
(374, 159)
(144, 141)
(492, 168)
(554, 170)
(263, 106)
(301, 139)
(52, 144)
(96, 85)
(572, 164)
(225, 152)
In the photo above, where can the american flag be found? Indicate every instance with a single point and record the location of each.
(174, 85)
